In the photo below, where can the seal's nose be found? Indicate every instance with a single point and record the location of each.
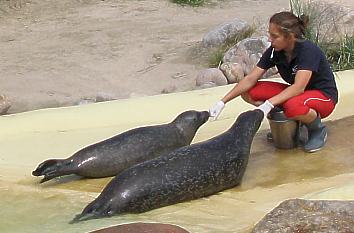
(205, 115)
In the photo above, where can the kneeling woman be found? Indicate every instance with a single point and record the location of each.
(310, 93)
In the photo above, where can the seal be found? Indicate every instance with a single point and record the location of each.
(113, 155)
(184, 174)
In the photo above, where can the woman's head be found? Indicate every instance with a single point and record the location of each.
(290, 23)
(285, 28)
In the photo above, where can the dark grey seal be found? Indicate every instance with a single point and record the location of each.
(186, 173)
(113, 155)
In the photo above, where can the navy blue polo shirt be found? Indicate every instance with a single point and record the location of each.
(306, 56)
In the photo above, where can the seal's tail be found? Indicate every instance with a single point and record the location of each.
(82, 217)
(52, 168)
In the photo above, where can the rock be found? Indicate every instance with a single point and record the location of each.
(85, 100)
(179, 75)
(298, 215)
(102, 97)
(224, 32)
(233, 71)
(210, 77)
(142, 228)
(246, 54)
(5, 104)
(248, 46)
(169, 89)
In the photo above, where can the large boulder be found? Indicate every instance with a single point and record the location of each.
(298, 215)
(234, 72)
(224, 32)
(243, 57)
(210, 77)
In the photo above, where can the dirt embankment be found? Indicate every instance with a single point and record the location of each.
(56, 53)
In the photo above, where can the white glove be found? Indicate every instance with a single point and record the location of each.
(215, 110)
(266, 107)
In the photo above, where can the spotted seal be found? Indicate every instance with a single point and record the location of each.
(187, 173)
(113, 155)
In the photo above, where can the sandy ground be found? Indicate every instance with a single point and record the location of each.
(59, 53)
(56, 53)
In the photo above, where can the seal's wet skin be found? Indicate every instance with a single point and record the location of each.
(185, 174)
(112, 156)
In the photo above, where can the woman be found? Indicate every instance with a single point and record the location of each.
(310, 93)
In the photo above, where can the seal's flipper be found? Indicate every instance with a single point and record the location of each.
(49, 177)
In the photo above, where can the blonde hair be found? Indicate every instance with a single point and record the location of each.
(290, 23)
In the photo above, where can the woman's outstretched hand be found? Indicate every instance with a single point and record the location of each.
(216, 109)
(266, 107)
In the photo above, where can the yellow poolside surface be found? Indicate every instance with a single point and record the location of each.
(272, 175)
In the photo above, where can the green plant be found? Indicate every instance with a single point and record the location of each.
(322, 19)
(324, 31)
(341, 54)
(189, 2)
(216, 56)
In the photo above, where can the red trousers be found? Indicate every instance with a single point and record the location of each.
(297, 105)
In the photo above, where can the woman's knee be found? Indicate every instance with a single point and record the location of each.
(297, 107)
(247, 98)
(294, 109)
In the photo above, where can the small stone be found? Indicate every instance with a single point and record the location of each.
(5, 104)
(101, 97)
(179, 75)
(86, 101)
(169, 89)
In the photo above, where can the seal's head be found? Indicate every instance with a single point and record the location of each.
(188, 122)
(249, 122)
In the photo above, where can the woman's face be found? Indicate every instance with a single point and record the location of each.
(278, 39)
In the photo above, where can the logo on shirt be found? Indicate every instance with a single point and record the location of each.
(294, 70)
